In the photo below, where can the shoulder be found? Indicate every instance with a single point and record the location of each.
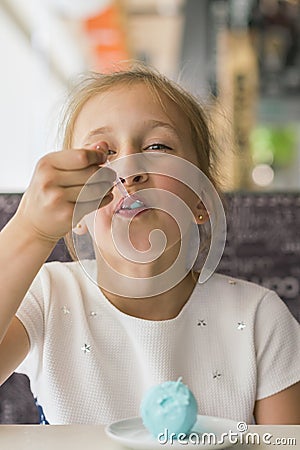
(78, 269)
(224, 295)
(61, 276)
(234, 288)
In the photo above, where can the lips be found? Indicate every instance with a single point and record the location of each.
(130, 206)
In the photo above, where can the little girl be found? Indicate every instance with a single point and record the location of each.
(93, 335)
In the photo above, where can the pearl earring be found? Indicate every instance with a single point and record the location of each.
(200, 217)
(80, 228)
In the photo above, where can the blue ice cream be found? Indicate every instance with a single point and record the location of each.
(169, 406)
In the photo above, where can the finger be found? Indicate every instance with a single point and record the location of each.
(75, 159)
(90, 175)
(100, 145)
(89, 193)
(83, 209)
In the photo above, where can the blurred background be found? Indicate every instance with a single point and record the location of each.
(241, 57)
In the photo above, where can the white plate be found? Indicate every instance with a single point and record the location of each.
(131, 433)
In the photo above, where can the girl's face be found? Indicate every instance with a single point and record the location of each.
(130, 120)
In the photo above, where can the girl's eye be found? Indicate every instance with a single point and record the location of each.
(111, 152)
(158, 147)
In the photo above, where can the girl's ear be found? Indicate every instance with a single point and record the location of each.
(201, 214)
(80, 228)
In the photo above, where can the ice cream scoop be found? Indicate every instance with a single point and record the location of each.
(169, 406)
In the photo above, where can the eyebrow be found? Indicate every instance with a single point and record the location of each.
(152, 125)
(160, 124)
(101, 130)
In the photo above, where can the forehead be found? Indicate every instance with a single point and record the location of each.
(125, 104)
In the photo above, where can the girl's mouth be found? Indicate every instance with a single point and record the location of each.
(129, 207)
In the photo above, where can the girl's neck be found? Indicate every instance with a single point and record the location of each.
(145, 300)
(164, 306)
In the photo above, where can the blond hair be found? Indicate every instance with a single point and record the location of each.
(97, 83)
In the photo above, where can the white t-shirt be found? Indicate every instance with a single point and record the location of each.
(233, 342)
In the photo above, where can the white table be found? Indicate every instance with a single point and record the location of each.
(88, 437)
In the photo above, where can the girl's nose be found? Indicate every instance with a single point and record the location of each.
(133, 168)
(135, 179)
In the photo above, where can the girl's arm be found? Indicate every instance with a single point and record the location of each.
(13, 349)
(21, 256)
(43, 217)
(282, 408)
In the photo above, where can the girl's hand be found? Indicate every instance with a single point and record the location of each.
(47, 206)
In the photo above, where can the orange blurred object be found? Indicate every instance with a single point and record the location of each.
(107, 38)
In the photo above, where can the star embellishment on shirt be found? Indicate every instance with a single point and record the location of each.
(86, 348)
(216, 375)
(241, 325)
(65, 310)
(202, 323)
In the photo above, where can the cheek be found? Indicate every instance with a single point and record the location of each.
(102, 226)
(179, 189)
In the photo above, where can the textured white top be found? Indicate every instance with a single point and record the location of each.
(233, 343)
